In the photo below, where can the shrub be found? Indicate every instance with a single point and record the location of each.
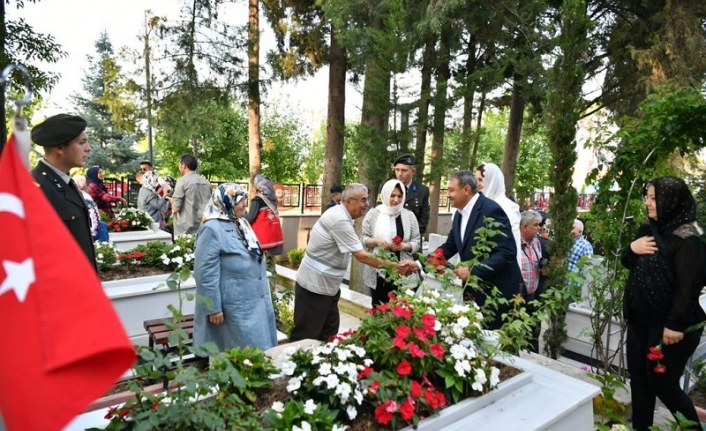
(106, 254)
(295, 256)
(130, 219)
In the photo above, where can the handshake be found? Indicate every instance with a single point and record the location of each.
(406, 267)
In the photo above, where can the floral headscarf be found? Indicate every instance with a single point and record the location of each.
(383, 224)
(676, 205)
(222, 207)
(223, 201)
(493, 181)
(150, 181)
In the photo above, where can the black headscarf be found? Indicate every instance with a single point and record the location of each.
(676, 205)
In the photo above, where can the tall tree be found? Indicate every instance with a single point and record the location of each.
(254, 142)
(20, 44)
(109, 109)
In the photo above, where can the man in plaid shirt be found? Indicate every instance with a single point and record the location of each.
(581, 246)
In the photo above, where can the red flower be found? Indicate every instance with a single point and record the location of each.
(392, 296)
(421, 335)
(382, 415)
(407, 410)
(434, 398)
(439, 252)
(428, 321)
(402, 331)
(137, 255)
(655, 353)
(404, 368)
(365, 372)
(660, 369)
(437, 350)
(399, 343)
(397, 240)
(416, 389)
(415, 351)
(374, 387)
(401, 311)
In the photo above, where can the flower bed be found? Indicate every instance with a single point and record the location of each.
(155, 254)
(129, 219)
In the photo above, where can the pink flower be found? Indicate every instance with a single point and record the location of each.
(415, 351)
(399, 343)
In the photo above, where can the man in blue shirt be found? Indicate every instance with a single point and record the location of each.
(581, 246)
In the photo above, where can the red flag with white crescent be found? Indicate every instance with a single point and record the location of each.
(62, 343)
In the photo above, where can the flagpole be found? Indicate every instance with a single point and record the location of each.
(19, 124)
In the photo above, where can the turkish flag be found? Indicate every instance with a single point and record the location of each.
(61, 343)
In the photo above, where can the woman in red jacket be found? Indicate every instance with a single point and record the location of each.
(99, 192)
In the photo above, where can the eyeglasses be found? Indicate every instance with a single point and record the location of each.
(361, 200)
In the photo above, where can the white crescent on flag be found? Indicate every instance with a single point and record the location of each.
(20, 275)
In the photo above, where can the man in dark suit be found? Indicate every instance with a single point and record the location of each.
(417, 199)
(500, 268)
(65, 147)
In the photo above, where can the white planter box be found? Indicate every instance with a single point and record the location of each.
(578, 329)
(125, 241)
(136, 300)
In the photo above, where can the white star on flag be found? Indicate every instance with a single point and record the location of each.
(19, 277)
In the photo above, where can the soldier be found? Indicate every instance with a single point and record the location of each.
(65, 147)
(417, 199)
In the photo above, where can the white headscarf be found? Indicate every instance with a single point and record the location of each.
(386, 218)
(493, 181)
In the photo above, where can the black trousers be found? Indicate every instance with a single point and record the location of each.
(315, 316)
(645, 384)
(379, 295)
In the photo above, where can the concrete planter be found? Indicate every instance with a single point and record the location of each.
(578, 329)
(125, 241)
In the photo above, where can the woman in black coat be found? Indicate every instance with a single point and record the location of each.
(661, 301)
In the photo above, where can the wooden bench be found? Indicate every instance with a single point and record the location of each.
(158, 331)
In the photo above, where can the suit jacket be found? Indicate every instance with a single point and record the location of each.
(69, 206)
(500, 268)
(417, 201)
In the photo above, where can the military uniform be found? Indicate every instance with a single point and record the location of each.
(65, 197)
(417, 201)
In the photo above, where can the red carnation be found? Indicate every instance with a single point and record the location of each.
(407, 410)
(655, 353)
(404, 368)
(415, 351)
(397, 240)
(660, 369)
(439, 253)
(437, 350)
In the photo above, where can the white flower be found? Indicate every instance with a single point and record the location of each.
(247, 362)
(494, 377)
(463, 321)
(618, 427)
(309, 407)
(437, 325)
(351, 412)
(305, 427)
(294, 384)
(462, 367)
(342, 354)
(288, 368)
(358, 396)
(368, 362)
(343, 390)
(331, 381)
(480, 380)
(325, 369)
(278, 406)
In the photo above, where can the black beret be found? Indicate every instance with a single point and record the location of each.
(407, 159)
(58, 130)
(336, 189)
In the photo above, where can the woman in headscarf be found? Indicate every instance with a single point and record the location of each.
(230, 271)
(99, 229)
(491, 183)
(99, 192)
(150, 200)
(661, 300)
(393, 228)
(264, 216)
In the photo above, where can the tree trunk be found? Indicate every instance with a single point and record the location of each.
(464, 151)
(3, 64)
(476, 138)
(512, 139)
(423, 111)
(254, 143)
(335, 124)
(437, 145)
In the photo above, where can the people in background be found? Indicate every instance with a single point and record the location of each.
(150, 200)
(191, 195)
(335, 197)
(264, 218)
(229, 270)
(146, 166)
(318, 285)
(491, 183)
(99, 192)
(500, 268)
(580, 248)
(99, 228)
(661, 300)
(65, 147)
(392, 228)
(416, 194)
(535, 261)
